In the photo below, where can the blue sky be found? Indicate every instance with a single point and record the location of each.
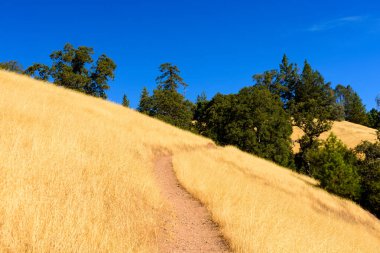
(218, 45)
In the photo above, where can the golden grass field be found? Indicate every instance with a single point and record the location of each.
(351, 134)
(76, 175)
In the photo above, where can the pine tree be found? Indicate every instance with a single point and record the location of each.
(349, 100)
(145, 104)
(312, 110)
(125, 101)
(170, 78)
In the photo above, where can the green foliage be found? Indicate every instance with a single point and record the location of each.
(253, 120)
(349, 100)
(199, 114)
(369, 170)
(170, 78)
(12, 66)
(312, 109)
(333, 164)
(373, 117)
(166, 103)
(72, 69)
(171, 107)
(145, 104)
(125, 101)
(38, 71)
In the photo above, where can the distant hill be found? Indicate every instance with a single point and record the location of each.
(77, 175)
(350, 133)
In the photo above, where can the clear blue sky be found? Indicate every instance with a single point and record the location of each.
(218, 45)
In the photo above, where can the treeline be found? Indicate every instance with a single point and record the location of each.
(258, 119)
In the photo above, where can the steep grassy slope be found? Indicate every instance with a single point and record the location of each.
(76, 175)
(350, 133)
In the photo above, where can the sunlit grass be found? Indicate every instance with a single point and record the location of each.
(76, 175)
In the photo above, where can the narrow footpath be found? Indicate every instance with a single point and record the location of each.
(191, 229)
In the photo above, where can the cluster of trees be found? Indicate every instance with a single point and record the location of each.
(258, 119)
(73, 68)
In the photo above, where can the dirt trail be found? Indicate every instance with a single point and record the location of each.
(191, 228)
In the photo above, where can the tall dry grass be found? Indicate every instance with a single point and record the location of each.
(76, 175)
(262, 207)
(76, 172)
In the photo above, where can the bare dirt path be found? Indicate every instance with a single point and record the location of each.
(191, 228)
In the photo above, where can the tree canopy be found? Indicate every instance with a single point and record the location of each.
(74, 68)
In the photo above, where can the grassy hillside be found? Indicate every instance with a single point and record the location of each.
(76, 174)
(350, 133)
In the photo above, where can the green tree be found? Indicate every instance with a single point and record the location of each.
(373, 118)
(166, 103)
(369, 170)
(199, 113)
(73, 68)
(170, 78)
(312, 110)
(145, 104)
(253, 120)
(349, 100)
(12, 66)
(125, 101)
(38, 71)
(333, 164)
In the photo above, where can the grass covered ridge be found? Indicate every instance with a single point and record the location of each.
(77, 175)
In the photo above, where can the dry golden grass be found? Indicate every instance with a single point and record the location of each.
(262, 207)
(351, 134)
(76, 172)
(76, 175)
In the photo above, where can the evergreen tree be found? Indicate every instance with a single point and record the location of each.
(166, 103)
(125, 101)
(170, 78)
(373, 118)
(145, 104)
(312, 110)
(288, 78)
(354, 110)
(199, 113)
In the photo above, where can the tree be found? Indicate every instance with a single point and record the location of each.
(166, 103)
(199, 113)
(253, 120)
(71, 68)
(349, 100)
(125, 101)
(12, 66)
(170, 78)
(145, 104)
(369, 170)
(373, 118)
(171, 107)
(38, 71)
(312, 111)
(333, 164)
